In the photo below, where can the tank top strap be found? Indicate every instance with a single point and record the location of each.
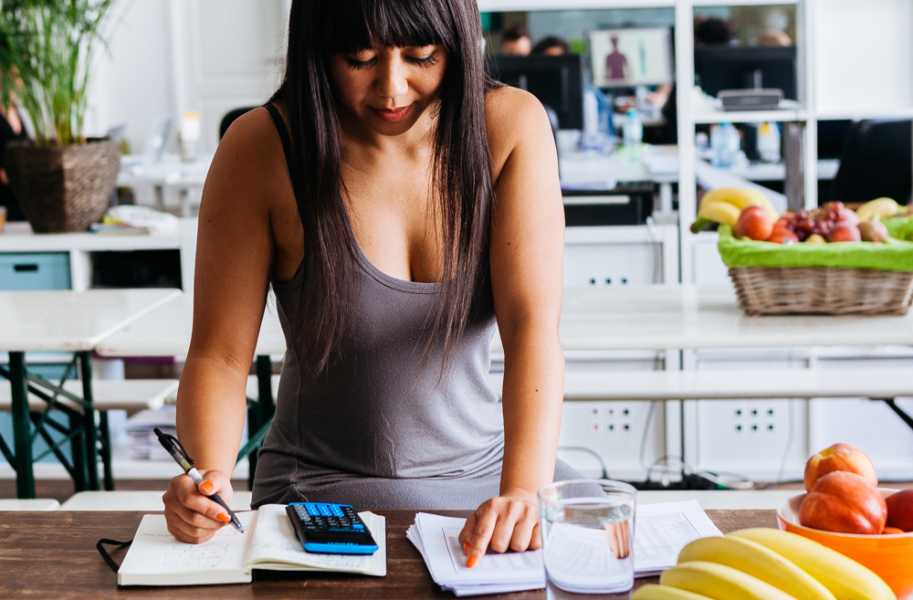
(286, 139)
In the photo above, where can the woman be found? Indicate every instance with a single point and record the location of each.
(11, 130)
(364, 192)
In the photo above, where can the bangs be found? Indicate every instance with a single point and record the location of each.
(352, 25)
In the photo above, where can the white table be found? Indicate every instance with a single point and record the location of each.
(691, 317)
(166, 331)
(171, 173)
(62, 321)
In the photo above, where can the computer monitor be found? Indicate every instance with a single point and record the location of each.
(557, 82)
(631, 57)
(734, 68)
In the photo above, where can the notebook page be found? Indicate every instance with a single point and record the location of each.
(157, 558)
(274, 546)
(663, 529)
(445, 560)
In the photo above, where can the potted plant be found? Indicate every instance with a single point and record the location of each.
(63, 181)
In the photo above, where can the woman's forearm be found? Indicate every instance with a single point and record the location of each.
(210, 412)
(532, 398)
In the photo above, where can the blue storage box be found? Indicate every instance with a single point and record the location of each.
(35, 271)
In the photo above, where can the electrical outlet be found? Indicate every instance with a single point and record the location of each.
(613, 432)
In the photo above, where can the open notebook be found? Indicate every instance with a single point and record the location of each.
(269, 542)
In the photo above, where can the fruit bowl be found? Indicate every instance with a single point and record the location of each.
(888, 555)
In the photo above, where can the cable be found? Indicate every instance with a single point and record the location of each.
(604, 472)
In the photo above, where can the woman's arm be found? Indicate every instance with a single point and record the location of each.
(527, 253)
(234, 253)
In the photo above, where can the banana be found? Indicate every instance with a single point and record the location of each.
(721, 212)
(844, 577)
(651, 591)
(720, 582)
(881, 208)
(741, 198)
(756, 560)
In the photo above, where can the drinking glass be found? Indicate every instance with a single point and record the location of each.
(587, 528)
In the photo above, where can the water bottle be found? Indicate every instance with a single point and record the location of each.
(769, 142)
(634, 129)
(724, 143)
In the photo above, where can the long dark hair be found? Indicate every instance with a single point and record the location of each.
(319, 29)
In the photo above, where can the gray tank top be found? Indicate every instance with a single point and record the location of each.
(379, 410)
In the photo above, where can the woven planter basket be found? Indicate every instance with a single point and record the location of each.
(822, 290)
(63, 188)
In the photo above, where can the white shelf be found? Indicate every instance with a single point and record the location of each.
(859, 113)
(703, 3)
(18, 237)
(520, 5)
(753, 116)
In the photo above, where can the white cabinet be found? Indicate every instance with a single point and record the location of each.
(620, 255)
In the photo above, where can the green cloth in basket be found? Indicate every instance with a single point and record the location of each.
(896, 255)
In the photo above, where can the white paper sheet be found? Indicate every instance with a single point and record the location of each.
(661, 530)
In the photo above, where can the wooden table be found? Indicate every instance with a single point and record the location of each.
(52, 555)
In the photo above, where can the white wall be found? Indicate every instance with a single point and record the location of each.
(133, 80)
(170, 56)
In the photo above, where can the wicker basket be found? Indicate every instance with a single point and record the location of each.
(822, 290)
(63, 189)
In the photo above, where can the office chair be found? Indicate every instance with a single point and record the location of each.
(877, 160)
(230, 117)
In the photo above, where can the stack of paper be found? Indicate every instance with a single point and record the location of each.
(579, 564)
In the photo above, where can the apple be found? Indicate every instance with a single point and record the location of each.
(844, 502)
(845, 232)
(755, 223)
(839, 457)
(900, 510)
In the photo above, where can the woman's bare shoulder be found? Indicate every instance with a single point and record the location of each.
(250, 154)
(513, 117)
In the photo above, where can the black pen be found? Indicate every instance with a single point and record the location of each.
(180, 456)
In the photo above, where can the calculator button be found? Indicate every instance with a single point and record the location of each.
(358, 527)
(324, 509)
(311, 509)
(337, 511)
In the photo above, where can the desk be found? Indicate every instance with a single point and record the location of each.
(166, 331)
(52, 555)
(171, 173)
(684, 317)
(62, 321)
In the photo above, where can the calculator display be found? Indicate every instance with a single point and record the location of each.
(328, 528)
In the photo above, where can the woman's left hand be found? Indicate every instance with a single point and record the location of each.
(506, 522)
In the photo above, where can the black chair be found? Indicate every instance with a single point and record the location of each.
(230, 117)
(877, 161)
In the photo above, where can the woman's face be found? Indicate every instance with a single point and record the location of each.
(389, 88)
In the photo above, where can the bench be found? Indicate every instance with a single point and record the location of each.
(130, 395)
(31, 504)
(144, 501)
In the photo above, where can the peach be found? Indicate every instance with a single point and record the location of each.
(900, 510)
(844, 502)
(891, 530)
(755, 223)
(845, 232)
(839, 457)
(783, 236)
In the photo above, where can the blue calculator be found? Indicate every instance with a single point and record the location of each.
(327, 528)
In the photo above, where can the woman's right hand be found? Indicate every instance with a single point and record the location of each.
(191, 516)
